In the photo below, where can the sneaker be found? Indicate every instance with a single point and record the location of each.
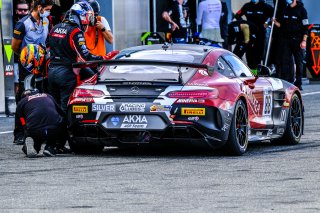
(49, 151)
(28, 148)
(19, 141)
(63, 150)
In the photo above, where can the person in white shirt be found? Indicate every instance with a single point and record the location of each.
(209, 14)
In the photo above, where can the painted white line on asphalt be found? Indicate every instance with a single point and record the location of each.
(310, 93)
(7, 132)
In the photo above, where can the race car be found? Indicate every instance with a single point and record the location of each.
(182, 93)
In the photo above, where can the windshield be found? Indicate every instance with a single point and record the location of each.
(153, 72)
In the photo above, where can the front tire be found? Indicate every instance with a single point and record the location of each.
(294, 126)
(238, 134)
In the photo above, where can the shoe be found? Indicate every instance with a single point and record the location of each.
(63, 150)
(28, 148)
(18, 141)
(49, 151)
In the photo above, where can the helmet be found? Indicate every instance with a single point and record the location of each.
(32, 58)
(82, 14)
(95, 6)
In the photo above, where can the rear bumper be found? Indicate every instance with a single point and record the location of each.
(189, 134)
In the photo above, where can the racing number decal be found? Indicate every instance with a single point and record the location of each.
(267, 102)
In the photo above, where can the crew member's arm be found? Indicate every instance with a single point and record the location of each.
(104, 27)
(18, 34)
(166, 17)
(305, 23)
(240, 13)
(200, 13)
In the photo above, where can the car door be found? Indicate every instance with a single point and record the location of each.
(259, 95)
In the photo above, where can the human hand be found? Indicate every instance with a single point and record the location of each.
(99, 25)
(174, 26)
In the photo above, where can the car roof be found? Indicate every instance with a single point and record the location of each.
(197, 53)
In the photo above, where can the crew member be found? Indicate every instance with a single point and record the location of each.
(100, 32)
(177, 16)
(244, 35)
(294, 30)
(31, 29)
(67, 46)
(257, 12)
(43, 121)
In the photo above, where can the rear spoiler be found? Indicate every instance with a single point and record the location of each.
(116, 62)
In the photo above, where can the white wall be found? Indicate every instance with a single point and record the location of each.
(130, 18)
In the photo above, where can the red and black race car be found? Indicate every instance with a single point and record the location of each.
(191, 93)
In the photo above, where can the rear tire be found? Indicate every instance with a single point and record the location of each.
(238, 134)
(294, 126)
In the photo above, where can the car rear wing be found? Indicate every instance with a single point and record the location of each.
(117, 62)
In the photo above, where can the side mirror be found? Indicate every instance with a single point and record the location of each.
(263, 71)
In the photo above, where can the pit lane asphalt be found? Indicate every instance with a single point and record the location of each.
(266, 179)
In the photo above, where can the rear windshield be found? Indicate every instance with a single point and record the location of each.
(150, 72)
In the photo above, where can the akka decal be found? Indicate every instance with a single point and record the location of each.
(132, 107)
(80, 109)
(193, 111)
(134, 121)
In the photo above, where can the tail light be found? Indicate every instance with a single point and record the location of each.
(85, 95)
(194, 94)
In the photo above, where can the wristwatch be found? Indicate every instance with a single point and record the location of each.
(103, 29)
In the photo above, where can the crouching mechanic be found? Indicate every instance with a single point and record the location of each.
(67, 46)
(43, 121)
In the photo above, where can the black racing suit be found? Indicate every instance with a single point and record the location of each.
(236, 36)
(67, 45)
(294, 25)
(258, 14)
(42, 119)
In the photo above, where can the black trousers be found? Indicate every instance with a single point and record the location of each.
(290, 47)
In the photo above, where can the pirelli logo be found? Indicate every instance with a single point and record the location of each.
(193, 111)
(80, 109)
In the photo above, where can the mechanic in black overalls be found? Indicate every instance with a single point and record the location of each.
(244, 35)
(43, 121)
(294, 30)
(257, 12)
(67, 45)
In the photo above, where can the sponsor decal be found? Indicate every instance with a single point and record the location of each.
(82, 43)
(267, 100)
(253, 102)
(160, 108)
(225, 127)
(191, 100)
(17, 32)
(79, 116)
(132, 107)
(39, 95)
(197, 84)
(44, 23)
(103, 107)
(60, 31)
(203, 72)
(115, 120)
(134, 121)
(280, 131)
(193, 111)
(80, 109)
(283, 115)
(220, 64)
(196, 118)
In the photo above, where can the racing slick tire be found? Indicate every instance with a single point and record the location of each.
(85, 148)
(237, 142)
(294, 126)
